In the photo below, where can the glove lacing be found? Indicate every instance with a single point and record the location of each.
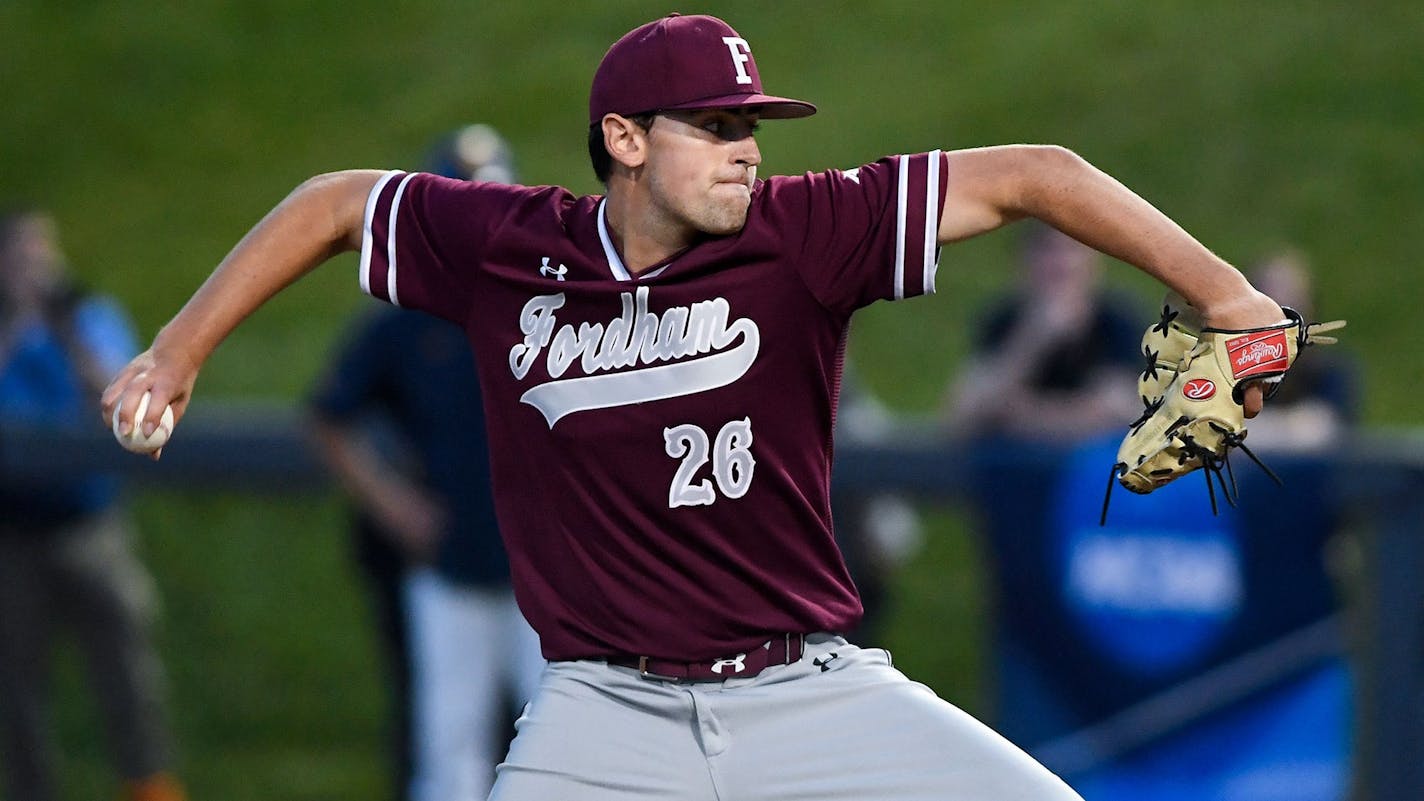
(1212, 465)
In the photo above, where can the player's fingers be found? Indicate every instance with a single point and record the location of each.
(128, 385)
(113, 394)
(124, 400)
(162, 395)
(1254, 398)
(125, 406)
(180, 406)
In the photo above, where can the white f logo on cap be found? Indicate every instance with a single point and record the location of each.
(741, 54)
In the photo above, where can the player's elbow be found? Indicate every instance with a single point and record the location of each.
(1048, 175)
(1055, 158)
(1009, 182)
(337, 201)
(995, 185)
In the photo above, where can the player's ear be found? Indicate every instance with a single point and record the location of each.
(625, 141)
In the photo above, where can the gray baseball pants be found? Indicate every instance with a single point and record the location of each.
(86, 578)
(839, 724)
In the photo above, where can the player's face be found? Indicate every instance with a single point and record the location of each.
(701, 167)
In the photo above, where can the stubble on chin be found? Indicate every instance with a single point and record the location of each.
(725, 218)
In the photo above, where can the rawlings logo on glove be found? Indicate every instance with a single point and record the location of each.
(1188, 421)
(1199, 389)
(1259, 353)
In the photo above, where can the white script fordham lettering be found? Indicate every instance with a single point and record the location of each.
(537, 324)
(637, 338)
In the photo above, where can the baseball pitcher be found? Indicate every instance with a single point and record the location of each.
(661, 366)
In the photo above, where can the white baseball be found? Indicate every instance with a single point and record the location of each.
(136, 441)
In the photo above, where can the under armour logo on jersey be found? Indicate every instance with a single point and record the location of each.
(854, 174)
(558, 272)
(741, 54)
(736, 663)
(824, 662)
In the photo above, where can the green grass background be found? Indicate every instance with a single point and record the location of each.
(159, 132)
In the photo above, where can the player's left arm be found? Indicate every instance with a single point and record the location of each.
(989, 187)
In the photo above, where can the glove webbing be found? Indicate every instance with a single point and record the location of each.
(1212, 465)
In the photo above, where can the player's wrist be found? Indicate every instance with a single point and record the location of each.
(1243, 310)
(176, 347)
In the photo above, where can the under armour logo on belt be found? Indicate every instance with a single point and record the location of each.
(736, 663)
(558, 272)
(824, 662)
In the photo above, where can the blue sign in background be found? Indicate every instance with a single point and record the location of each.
(1288, 744)
(1157, 585)
(1093, 620)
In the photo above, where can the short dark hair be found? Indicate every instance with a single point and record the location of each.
(598, 154)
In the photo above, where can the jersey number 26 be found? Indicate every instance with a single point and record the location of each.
(730, 454)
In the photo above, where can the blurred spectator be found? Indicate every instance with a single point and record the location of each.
(66, 553)
(475, 153)
(1057, 359)
(877, 532)
(1170, 646)
(1319, 399)
(400, 421)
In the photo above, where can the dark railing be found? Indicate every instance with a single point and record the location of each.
(261, 447)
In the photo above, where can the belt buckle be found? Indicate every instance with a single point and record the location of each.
(800, 647)
(643, 672)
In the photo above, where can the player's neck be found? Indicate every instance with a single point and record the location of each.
(644, 238)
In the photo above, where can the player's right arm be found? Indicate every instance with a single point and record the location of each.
(319, 219)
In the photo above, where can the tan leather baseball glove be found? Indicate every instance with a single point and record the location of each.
(1192, 393)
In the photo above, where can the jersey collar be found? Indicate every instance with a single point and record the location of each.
(615, 262)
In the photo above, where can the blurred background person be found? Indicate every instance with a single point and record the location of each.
(399, 420)
(1054, 368)
(1164, 645)
(878, 532)
(1316, 406)
(1057, 358)
(66, 546)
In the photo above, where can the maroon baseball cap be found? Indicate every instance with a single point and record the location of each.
(683, 62)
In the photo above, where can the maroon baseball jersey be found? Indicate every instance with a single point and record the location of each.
(661, 443)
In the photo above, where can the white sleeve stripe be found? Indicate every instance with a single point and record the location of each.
(931, 223)
(391, 242)
(366, 243)
(901, 207)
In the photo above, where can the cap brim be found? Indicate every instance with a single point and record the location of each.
(772, 107)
